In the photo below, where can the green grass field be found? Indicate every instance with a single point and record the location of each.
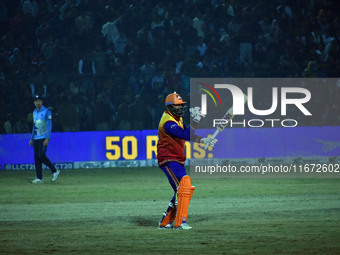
(116, 211)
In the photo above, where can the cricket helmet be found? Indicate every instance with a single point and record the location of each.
(175, 104)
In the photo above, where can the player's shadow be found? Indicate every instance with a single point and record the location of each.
(144, 221)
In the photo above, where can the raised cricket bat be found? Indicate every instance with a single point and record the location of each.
(228, 116)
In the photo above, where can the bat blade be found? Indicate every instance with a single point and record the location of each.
(227, 117)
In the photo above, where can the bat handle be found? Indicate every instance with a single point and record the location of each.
(212, 137)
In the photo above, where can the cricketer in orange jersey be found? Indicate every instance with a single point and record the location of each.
(172, 134)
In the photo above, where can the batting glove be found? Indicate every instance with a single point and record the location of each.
(196, 113)
(208, 141)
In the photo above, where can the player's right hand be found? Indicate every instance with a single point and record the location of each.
(196, 113)
(208, 141)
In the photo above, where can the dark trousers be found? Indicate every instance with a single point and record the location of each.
(40, 157)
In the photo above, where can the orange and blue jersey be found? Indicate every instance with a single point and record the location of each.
(172, 135)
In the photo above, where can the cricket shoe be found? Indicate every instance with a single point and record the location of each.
(184, 226)
(168, 217)
(55, 176)
(36, 181)
(168, 226)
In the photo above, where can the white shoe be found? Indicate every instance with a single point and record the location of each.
(37, 180)
(184, 226)
(168, 226)
(55, 176)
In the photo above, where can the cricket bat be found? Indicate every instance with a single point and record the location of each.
(228, 116)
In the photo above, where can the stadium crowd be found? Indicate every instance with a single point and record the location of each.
(107, 65)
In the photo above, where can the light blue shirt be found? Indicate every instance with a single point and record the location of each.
(42, 123)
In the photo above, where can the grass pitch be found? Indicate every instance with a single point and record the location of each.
(116, 211)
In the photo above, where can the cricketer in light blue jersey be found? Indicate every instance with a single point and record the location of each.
(41, 134)
(42, 123)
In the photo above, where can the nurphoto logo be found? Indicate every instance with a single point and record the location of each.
(240, 99)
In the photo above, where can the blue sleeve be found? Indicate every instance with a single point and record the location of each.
(171, 128)
(49, 124)
(32, 132)
(33, 128)
(188, 134)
